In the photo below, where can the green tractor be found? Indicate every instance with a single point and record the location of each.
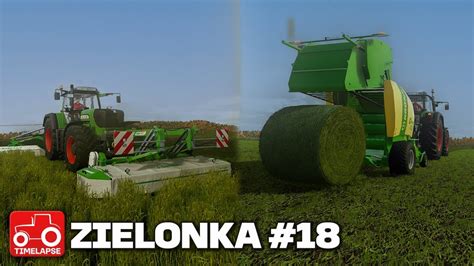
(104, 149)
(81, 126)
(368, 119)
(430, 130)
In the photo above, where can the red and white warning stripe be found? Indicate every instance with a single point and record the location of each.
(222, 138)
(123, 143)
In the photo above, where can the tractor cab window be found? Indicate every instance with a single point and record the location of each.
(420, 104)
(426, 103)
(81, 102)
(428, 106)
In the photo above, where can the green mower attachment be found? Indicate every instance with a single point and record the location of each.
(149, 168)
(30, 141)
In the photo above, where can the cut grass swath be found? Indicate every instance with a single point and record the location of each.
(313, 143)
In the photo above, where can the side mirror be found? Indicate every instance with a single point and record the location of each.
(118, 99)
(446, 106)
(57, 96)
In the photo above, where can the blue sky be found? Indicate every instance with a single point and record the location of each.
(170, 60)
(218, 60)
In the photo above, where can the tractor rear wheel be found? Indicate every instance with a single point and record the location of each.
(431, 136)
(79, 141)
(50, 140)
(445, 151)
(402, 158)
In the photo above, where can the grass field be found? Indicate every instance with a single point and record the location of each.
(34, 183)
(425, 218)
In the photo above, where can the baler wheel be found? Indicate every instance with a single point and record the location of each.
(445, 151)
(50, 140)
(424, 161)
(431, 136)
(402, 158)
(79, 142)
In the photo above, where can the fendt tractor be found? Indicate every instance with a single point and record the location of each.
(430, 131)
(103, 148)
(367, 117)
(82, 126)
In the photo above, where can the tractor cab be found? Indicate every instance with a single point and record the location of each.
(80, 100)
(423, 102)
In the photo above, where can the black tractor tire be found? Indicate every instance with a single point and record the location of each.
(402, 158)
(445, 151)
(431, 135)
(50, 140)
(79, 141)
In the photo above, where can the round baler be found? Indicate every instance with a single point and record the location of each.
(368, 117)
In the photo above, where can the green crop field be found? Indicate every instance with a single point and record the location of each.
(425, 218)
(32, 183)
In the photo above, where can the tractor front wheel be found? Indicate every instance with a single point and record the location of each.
(50, 140)
(79, 141)
(402, 158)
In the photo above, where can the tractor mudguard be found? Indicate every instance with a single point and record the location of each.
(53, 119)
(59, 120)
(72, 124)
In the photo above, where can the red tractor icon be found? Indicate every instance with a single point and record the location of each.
(39, 228)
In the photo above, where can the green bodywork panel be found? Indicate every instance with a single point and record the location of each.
(320, 68)
(87, 116)
(379, 62)
(93, 173)
(337, 67)
(87, 119)
(61, 120)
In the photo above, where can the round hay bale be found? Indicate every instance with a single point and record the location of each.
(313, 143)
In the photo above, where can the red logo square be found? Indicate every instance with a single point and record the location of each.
(37, 233)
